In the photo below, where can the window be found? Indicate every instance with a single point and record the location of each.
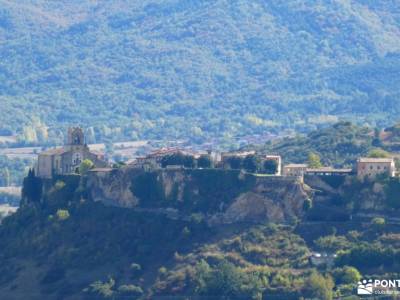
(76, 159)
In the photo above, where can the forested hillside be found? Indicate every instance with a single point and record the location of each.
(338, 145)
(196, 69)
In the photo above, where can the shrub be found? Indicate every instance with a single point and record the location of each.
(307, 205)
(130, 289)
(378, 153)
(186, 232)
(314, 161)
(204, 161)
(135, 267)
(270, 166)
(226, 280)
(332, 243)
(319, 287)
(102, 289)
(234, 162)
(62, 214)
(85, 166)
(378, 223)
(346, 275)
(59, 185)
(197, 218)
(162, 271)
(251, 163)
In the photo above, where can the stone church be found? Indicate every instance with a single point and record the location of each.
(66, 160)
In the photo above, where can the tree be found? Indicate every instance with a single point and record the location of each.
(178, 159)
(378, 153)
(332, 243)
(234, 162)
(346, 275)
(102, 289)
(189, 161)
(314, 161)
(270, 166)
(251, 163)
(319, 287)
(32, 187)
(62, 214)
(227, 281)
(204, 161)
(378, 223)
(85, 166)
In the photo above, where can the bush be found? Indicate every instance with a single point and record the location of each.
(251, 163)
(319, 287)
(136, 267)
(226, 280)
(162, 271)
(204, 161)
(85, 166)
(332, 243)
(307, 205)
(197, 218)
(378, 223)
(346, 275)
(270, 166)
(101, 289)
(130, 289)
(234, 162)
(378, 153)
(59, 185)
(62, 214)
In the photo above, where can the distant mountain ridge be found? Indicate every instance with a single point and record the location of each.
(198, 69)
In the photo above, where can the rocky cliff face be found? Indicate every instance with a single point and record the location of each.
(220, 196)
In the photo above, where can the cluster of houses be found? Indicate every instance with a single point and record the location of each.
(67, 159)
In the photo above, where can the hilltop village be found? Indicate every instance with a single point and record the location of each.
(280, 220)
(68, 159)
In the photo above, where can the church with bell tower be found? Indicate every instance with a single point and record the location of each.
(67, 159)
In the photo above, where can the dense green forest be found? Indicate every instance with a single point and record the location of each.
(195, 69)
(337, 145)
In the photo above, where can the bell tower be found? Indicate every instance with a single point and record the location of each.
(75, 137)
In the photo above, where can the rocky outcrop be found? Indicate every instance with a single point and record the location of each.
(222, 196)
(275, 199)
(112, 187)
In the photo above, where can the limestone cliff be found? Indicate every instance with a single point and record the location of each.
(220, 196)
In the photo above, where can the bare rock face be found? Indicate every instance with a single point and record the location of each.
(111, 188)
(223, 196)
(271, 200)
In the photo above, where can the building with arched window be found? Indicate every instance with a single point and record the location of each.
(67, 159)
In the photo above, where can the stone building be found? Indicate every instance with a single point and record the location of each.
(370, 167)
(294, 169)
(66, 160)
(329, 171)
